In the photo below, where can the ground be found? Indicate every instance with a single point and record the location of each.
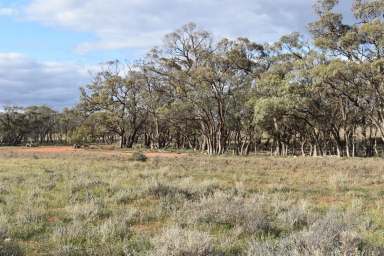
(61, 150)
(62, 201)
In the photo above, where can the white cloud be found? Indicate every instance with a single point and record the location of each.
(143, 23)
(134, 24)
(6, 11)
(24, 81)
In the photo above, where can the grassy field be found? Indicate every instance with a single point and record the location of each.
(97, 203)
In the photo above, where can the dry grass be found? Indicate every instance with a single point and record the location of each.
(91, 203)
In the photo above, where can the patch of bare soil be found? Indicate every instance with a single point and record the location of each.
(165, 155)
(42, 150)
(68, 149)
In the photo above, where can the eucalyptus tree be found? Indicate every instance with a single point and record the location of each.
(13, 126)
(93, 129)
(41, 124)
(68, 122)
(278, 97)
(117, 92)
(37, 124)
(208, 76)
(355, 72)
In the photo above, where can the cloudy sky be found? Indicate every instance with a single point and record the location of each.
(49, 47)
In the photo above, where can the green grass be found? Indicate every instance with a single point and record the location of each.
(92, 203)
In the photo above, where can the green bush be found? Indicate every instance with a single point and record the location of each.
(138, 156)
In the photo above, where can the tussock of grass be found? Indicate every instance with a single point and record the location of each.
(179, 242)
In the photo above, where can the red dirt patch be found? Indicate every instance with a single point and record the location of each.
(39, 150)
(68, 149)
(165, 155)
(53, 219)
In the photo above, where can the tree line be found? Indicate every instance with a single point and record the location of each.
(297, 96)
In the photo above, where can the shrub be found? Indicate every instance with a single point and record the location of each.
(106, 238)
(124, 196)
(250, 215)
(29, 222)
(179, 242)
(69, 250)
(91, 211)
(332, 234)
(71, 234)
(115, 229)
(9, 248)
(48, 186)
(138, 156)
(295, 216)
(137, 244)
(3, 233)
(160, 190)
(4, 190)
(84, 182)
(265, 248)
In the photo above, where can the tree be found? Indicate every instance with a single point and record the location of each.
(356, 68)
(13, 126)
(206, 76)
(42, 122)
(117, 93)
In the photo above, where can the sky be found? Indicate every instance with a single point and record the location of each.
(50, 48)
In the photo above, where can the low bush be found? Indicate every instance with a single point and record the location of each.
(138, 156)
(176, 241)
(335, 234)
(250, 215)
(9, 248)
(91, 211)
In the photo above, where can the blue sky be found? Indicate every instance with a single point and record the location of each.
(48, 47)
(55, 43)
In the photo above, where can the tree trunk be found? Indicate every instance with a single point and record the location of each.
(302, 148)
(315, 150)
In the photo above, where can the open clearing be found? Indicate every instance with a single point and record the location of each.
(61, 201)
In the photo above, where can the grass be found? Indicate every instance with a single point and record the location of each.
(104, 204)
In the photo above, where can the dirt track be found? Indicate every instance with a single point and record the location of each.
(68, 150)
